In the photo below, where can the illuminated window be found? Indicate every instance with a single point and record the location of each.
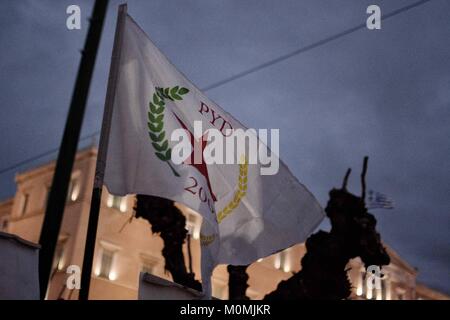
(369, 292)
(73, 191)
(58, 262)
(360, 280)
(117, 202)
(282, 261)
(192, 225)
(106, 263)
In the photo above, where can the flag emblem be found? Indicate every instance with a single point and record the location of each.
(156, 128)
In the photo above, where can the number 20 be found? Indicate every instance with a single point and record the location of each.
(200, 191)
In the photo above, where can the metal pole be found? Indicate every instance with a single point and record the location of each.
(101, 157)
(58, 192)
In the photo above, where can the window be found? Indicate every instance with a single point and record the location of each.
(106, 263)
(73, 191)
(365, 288)
(192, 225)
(25, 201)
(58, 262)
(359, 284)
(282, 261)
(117, 202)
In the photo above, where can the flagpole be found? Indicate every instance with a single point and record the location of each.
(101, 156)
(69, 143)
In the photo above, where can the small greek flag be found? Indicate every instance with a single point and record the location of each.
(378, 200)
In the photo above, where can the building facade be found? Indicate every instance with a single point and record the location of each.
(126, 246)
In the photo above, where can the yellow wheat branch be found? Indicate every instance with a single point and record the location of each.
(239, 194)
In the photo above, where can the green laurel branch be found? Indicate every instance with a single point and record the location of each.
(155, 122)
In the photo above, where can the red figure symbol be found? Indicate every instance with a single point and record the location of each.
(201, 167)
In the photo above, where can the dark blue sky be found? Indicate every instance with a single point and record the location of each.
(382, 93)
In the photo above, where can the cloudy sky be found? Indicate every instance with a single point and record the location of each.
(380, 93)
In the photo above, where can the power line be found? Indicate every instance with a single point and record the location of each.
(245, 73)
(41, 155)
(309, 47)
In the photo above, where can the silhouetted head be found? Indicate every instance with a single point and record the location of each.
(146, 204)
(161, 213)
(354, 225)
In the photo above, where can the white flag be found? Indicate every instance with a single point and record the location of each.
(246, 215)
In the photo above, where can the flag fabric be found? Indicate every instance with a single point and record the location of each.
(378, 200)
(246, 215)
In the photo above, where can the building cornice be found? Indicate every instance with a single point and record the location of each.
(88, 153)
(397, 260)
(424, 290)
